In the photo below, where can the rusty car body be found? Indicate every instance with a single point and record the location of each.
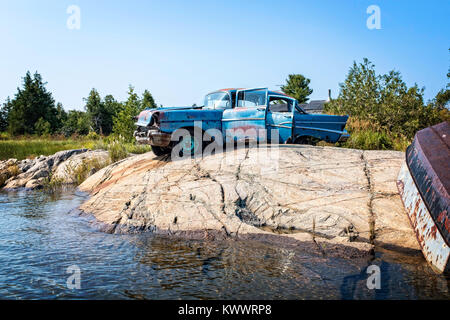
(239, 114)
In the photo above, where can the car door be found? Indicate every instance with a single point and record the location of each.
(313, 127)
(247, 117)
(279, 118)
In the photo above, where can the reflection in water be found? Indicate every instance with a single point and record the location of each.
(40, 237)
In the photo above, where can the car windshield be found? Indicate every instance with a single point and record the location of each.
(217, 100)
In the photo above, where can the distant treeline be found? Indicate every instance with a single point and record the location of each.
(33, 111)
(384, 112)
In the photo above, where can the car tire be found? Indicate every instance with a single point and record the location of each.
(161, 151)
(190, 143)
(306, 140)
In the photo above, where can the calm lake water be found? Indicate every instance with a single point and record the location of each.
(42, 235)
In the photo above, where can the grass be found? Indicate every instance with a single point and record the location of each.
(23, 148)
(365, 136)
(30, 147)
(53, 185)
(87, 167)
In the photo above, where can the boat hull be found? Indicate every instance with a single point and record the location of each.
(434, 248)
(424, 183)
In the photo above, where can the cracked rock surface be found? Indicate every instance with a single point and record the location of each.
(323, 195)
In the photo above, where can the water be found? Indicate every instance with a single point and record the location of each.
(41, 236)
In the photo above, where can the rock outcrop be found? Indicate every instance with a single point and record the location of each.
(331, 197)
(32, 174)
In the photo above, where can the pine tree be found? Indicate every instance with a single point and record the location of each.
(95, 110)
(148, 101)
(61, 116)
(124, 121)
(76, 123)
(4, 115)
(30, 104)
(112, 109)
(297, 86)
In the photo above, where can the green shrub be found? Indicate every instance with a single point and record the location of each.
(117, 150)
(83, 171)
(42, 127)
(370, 140)
(52, 185)
(385, 112)
(4, 136)
(137, 148)
(93, 136)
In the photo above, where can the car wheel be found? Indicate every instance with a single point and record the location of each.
(307, 140)
(190, 143)
(160, 151)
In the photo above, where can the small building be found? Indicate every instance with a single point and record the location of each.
(315, 106)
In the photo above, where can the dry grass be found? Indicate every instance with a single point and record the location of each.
(366, 136)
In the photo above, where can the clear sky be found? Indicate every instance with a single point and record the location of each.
(180, 50)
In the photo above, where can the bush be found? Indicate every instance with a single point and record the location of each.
(117, 150)
(93, 136)
(42, 127)
(384, 112)
(364, 135)
(370, 140)
(87, 167)
(137, 148)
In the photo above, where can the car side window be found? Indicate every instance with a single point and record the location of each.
(217, 100)
(251, 98)
(277, 104)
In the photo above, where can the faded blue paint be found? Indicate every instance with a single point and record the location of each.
(245, 122)
(321, 126)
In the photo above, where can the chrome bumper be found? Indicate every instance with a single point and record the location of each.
(153, 137)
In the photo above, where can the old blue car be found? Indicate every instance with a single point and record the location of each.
(236, 115)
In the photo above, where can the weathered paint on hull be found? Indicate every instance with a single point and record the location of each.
(434, 247)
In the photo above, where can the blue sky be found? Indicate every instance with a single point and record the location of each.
(180, 50)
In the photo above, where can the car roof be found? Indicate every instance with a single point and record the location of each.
(232, 90)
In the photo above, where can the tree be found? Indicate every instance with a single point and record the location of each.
(297, 86)
(61, 116)
(148, 101)
(42, 127)
(112, 109)
(443, 96)
(30, 104)
(96, 112)
(383, 101)
(77, 122)
(124, 121)
(4, 115)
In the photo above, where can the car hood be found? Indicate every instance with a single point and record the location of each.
(145, 116)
